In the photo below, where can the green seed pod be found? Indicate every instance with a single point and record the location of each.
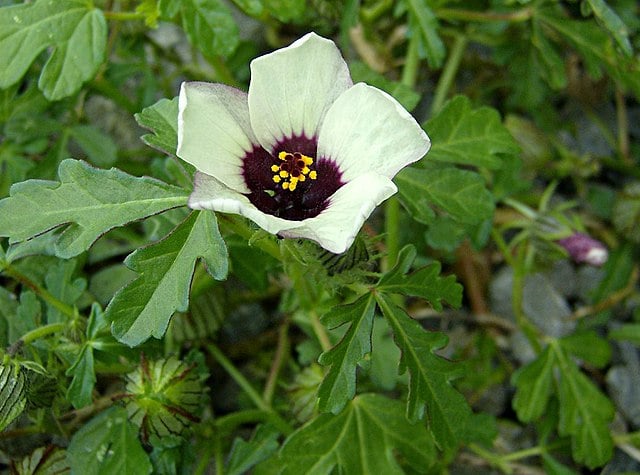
(13, 391)
(165, 396)
(43, 460)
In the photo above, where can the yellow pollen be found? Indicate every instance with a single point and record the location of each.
(294, 169)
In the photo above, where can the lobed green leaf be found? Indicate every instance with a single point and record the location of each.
(108, 444)
(87, 201)
(469, 137)
(460, 193)
(339, 385)
(588, 346)
(244, 455)
(345, 440)
(75, 31)
(162, 119)
(534, 385)
(430, 377)
(585, 413)
(143, 308)
(425, 282)
(209, 26)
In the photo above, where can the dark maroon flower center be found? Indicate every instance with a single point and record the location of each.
(292, 183)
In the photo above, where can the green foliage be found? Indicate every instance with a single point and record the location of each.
(209, 26)
(281, 357)
(629, 332)
(467, 136)
(423, 191)
(430, 378)
(82, 369)
(339, 385)
(93, 200)
(143, 308)
(584, 411)
(626, 213)
(76, 33)
(404, 94)
(244, 455)
(108, 443)
(162, 119)
(344, 441)
(425, 25)
(425, 282)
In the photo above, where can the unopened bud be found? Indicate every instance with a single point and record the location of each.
(584, 249)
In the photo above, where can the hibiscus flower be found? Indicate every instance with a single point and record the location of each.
(305, 153)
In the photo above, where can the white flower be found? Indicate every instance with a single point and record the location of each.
(306, 153)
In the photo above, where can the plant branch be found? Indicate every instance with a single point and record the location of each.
(448, 73)
(282, 351)
(516, 16)
(43, 293)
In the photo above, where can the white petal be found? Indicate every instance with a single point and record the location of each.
(292, 88)
(209, 193)
(337, 226)
(368, 130)
(214, 131)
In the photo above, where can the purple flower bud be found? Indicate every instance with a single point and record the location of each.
(583, 248)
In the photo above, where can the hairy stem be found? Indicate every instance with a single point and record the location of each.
(41, 292)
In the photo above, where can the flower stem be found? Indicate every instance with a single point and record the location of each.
(411, 63)
(246, 386)
(43, 293)
(240, 227)
(279, 358)
(448, 73)
(521, 15)
(623, 128)
(523, 322)
(392, 229)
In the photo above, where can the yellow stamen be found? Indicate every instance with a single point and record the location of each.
(298, 164)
